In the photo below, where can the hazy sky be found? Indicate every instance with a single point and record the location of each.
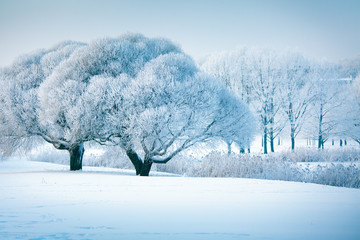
(319, 28)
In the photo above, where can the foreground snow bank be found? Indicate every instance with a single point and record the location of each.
(101, 205)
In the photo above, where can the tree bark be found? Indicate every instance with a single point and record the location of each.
(320, 137)
(146, 167)
(292, 136)
(135, 160)
(271, 136)
(76, 155)
(265, 141)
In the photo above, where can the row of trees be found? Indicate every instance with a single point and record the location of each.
(288, 91)
(144, 95)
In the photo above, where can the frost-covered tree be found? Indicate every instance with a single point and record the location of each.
(233, 70)
(295, 91)
(69, 111)
(328, 101)
(19, 96)
(266, 81)
(254, 75)
(348, 117)
(174, 106)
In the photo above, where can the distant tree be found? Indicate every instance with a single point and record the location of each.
(266, 81)
(350, 67)
(295, 91)
(349, 116)
(328, 101)
(233, 70)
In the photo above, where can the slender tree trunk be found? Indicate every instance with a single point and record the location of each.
(271, 121)
(146, 167)
(271, 136)
(320, 137)
(265, 141)
(135, 160)
(76, 156)
(248, 149)
(242, 150)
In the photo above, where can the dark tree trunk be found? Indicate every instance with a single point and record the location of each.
(146, 167)
(292, 136)
(271, 121)
(135, 160)
(248, 149)
(320, 137)
(265, 141)
(76, 156)
(320, 143)
(271, 135)
(242, 150)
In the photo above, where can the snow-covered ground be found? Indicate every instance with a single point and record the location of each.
(46, 201)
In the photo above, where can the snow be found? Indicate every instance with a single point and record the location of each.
(46, 201)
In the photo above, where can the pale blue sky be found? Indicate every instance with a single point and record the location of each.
(319, 28)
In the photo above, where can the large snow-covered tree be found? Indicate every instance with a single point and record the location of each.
(64, 111)
(168, 107)
(19, 96)
(174, 106)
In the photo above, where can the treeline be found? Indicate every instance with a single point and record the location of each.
(288, 92)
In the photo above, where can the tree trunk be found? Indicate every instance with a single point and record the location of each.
(228, 149)
(76, 155)
(146, 167)
(320, 137)
(292, 136)
(265, 141)
(242, 150)
(320, 141)
(271, 121)
(271, 135)
(135, 160)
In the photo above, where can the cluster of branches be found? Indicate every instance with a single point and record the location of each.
(286, 90)
(142, 94)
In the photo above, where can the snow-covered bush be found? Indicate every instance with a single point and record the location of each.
(272, 167)
(217, 164)
(335, 175)
(324, 155)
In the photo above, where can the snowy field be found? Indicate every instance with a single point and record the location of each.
(46, 201)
